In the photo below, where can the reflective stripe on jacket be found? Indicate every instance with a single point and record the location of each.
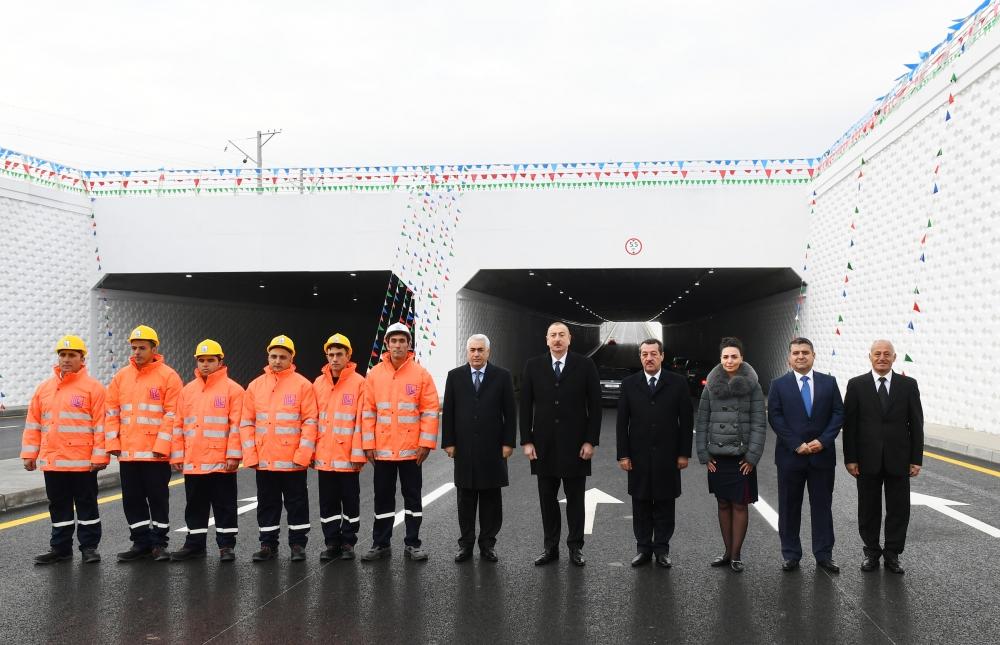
(140, 411)
(338, 447)
(64, 427)
(278, 424)
(400, 412)
(207, 426)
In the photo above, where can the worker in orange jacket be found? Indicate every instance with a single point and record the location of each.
(64, 436)
(206, 448)
(339, 455)
(399, 429)
(142, 399)
(278, 429)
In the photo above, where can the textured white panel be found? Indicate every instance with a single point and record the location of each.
(46, 269)
(956, 331)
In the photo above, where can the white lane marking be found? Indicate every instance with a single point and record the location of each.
(427, 499)
(239, 511)
(943, 506)
(769, 514)
(13, 426)
(591, 499)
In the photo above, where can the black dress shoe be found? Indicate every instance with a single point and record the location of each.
(463, 555)
(546, 557)
(789, 565)
(186, 553)
(490, 555)
(870, 563)
(663, 560)
(641, 558)
(53, 556)
(576, 557)
(892, 564)
(737, 566)
(829, 565)
(90, 556)
(721, 561)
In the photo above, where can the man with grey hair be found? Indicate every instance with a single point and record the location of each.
(478, 432)
(883, 448)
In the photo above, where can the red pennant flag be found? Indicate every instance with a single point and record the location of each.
(951, 99)
(838, 331)
(684, 174)
(845, 279)
(767, 171)
(811, 171)
(395, 178)
(196, 182)
(916, 307)
(239, 180)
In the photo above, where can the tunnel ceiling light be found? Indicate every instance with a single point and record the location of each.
(187, 275)
(697, 283)
(261, 285)
(687, 291)
(353, 275)
(531, 273)
(711, 271)
(355, 298)
(548, 284)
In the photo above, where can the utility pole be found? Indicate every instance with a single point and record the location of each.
(259, 159)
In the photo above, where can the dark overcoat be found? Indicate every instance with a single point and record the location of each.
(479, 424)
(558, 417)
(883, 441)
(654, 428)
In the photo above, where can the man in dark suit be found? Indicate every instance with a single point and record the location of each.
(655, 429)
(883, 448)
(806, 413)
(560, 425)
(479, 431)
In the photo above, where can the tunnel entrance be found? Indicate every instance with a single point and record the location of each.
(243, 311)
(692, 307)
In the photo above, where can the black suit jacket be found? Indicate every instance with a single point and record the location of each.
(559, 417)
(883, 441)
(479, 424)
(654, 428)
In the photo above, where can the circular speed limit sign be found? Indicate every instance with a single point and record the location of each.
(633, 246)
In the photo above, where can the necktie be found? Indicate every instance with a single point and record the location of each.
(883, 394)
(476, 379)
(807, 399)
(557, 370)
(652, 383)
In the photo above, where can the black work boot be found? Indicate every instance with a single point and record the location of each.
(90, 556)
(53, 556)
(267, 552)
(186, 553)
(135, 553)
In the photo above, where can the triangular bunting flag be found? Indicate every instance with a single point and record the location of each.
(907, 359)
(910, 325)
(916, 308)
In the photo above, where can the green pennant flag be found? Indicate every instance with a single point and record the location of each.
(849, 266)
(840, 319)
(940, 152)
(916, 290)
(954, 78)
(928, 223)
(907, 359)
(863, 161)
(856, 210)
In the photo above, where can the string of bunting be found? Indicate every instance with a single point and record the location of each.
(566, 175)
(851, 250)
(398, 307)
(961, 34)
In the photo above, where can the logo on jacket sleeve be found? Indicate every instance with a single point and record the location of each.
(348, 399)
(289, 399)
(154, 393)
(220, 402)
(411, 389)
(76, 401)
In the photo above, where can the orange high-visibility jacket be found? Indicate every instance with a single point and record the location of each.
(400, 410)
(339, 445)
(64, 429)
(140, 406)
(278, 424)
(207, 427)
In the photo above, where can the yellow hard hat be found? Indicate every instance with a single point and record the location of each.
(71, 342)
(208, 347)
(282, 341)
(144, 332)
(338, 339)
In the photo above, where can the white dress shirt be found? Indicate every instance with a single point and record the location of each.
(649, 376)
(811, 383)
(482, 374)
(562, 362)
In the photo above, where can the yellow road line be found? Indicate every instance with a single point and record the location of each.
(956, 462)
(44, 516)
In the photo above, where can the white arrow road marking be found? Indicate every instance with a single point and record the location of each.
(769, 514)
(427, 499)
(591, 499)
(239, 511)
(943, 506)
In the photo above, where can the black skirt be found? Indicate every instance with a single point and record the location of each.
(728, 483)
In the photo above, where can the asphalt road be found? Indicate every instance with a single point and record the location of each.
(948, 594)
(11, 429)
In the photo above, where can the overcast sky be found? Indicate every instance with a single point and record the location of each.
(132, 84)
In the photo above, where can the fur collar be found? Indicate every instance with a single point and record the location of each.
(723, 387)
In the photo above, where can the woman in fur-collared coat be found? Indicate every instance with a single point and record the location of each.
(730, 432)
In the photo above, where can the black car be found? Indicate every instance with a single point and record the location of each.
(696, 371)
(611, 382)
